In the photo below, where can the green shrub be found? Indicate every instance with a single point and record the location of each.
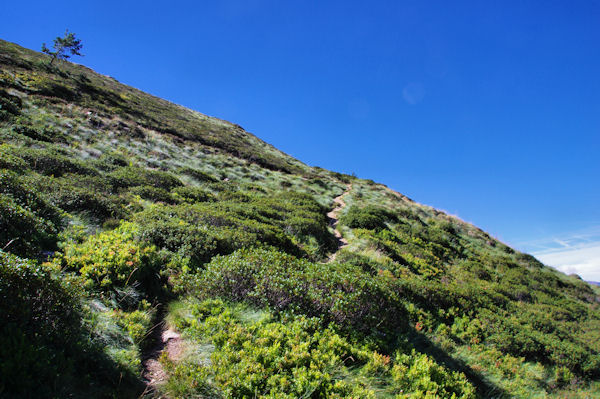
(203, 230)
(21, 189)
(192, 194)
(303, 218)
(49, 161)
(38, 320)
(197, 175)
(9, 105)
(187, 381)
(410, 251)
(269, 359)
(164, 229)
(340, 293)
(137, 323)
(9, 161)
(154, 194)
(113, 259)
(91, 195)
(369, 217)
(50, 301)
(365, 263)
(28, 224)
(22, 231)
(38, 131)
(250, 354)
(110, 161)
(415, 375)
(130, 176)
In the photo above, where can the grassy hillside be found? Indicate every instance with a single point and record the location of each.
(123, 215)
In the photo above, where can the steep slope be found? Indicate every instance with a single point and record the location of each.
(25, 70)
(122, 214)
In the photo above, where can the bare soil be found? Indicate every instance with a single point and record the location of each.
(333, 216)
(171, 343)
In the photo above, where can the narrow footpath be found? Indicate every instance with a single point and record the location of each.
(167, 341)
(333, 216)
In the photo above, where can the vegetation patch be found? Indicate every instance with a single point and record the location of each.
(296, 357)
(48, 349)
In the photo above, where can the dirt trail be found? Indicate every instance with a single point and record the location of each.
(167, 341)
(334, 220)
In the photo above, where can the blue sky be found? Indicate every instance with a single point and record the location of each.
(487, 110)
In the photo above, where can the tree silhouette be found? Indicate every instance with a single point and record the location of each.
(64, 47)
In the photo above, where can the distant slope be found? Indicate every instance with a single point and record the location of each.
(26, 70)
(122, 214)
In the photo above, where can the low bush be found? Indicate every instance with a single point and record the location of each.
(415, 375)
(340, 293)
(90, 195)
(369, 217)
(363, 262)
(28, 223)
(251, 354)
(39, 321)
(154, 194)
(26, 194)
(49, 161)
(22, 231)
(10, 105)
(197, 175)
(192, 194)
(131, 176)
(407, 250)
(10, 161)
(38, 131)
(112, 260)
(137, 323)
(165, 230)
(89, 201)
(110, 161)
(202, 230)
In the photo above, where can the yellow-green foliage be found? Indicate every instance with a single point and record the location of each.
(297, 357)
(111, 259)
(188, 380)
(415, 375)
(136, 323)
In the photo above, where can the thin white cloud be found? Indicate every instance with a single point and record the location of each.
(563, 243)
(576, 252)
(589, 235)
(583, 260)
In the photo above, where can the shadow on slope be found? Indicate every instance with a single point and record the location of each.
(484, 388)
(47, 350)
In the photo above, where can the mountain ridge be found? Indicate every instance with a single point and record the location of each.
(121, 212)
